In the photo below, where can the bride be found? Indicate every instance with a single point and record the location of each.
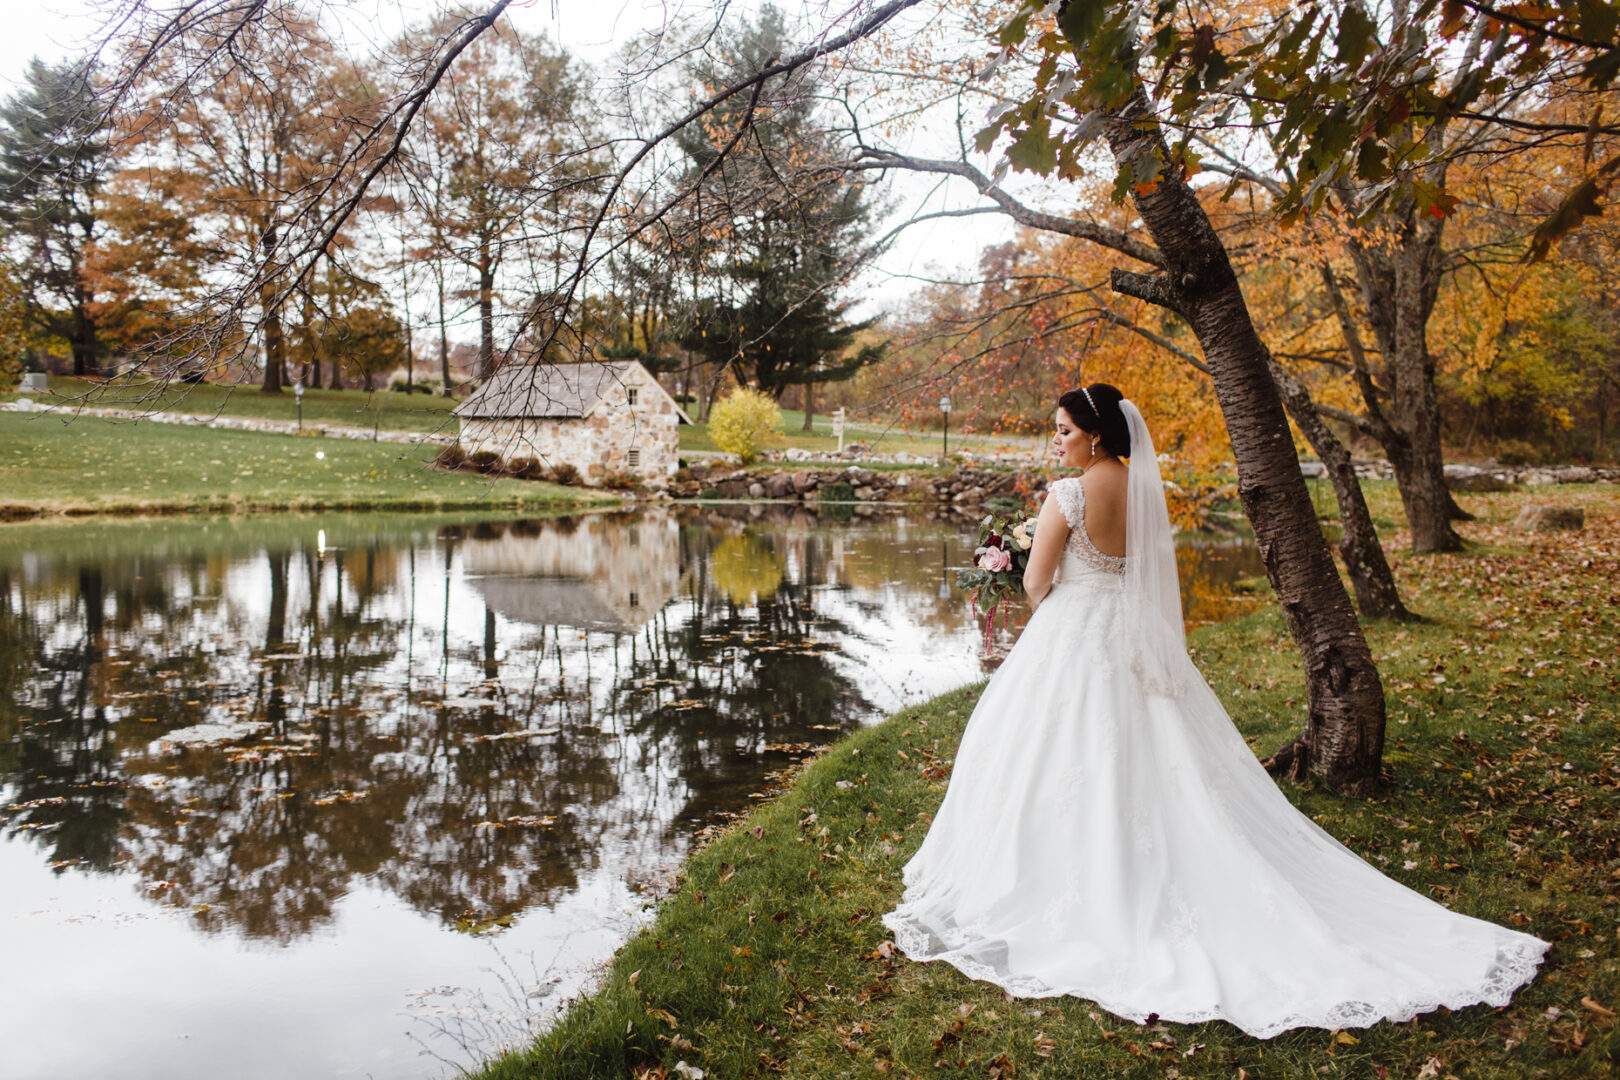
(1107, 833)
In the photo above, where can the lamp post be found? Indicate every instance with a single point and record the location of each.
(945, 428)
(298, 395)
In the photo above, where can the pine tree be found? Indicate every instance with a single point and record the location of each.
(53, 159)
(791, 223)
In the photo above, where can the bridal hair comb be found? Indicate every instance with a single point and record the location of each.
(1093, 404)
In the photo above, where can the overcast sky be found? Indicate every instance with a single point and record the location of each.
(57, 29)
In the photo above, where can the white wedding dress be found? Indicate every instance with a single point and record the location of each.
(1107, 833)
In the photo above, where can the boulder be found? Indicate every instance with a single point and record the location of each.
(1312, 469)
(756, 490)
(803, 481)
(779, 486)
(858, 476)
(866, 493)
(1544, 517)
(733, 489)
(1577, 474)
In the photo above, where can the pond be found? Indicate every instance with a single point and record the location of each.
(370, 796)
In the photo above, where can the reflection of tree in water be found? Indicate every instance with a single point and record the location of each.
(713, 681)
(266, 834)
(472, 719)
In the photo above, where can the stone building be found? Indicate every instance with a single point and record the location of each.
(600, 416)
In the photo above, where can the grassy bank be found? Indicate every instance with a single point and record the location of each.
(1505, 756)
(92, 465)
(387, 410)
(880, 437)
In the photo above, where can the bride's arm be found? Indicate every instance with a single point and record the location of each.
(1051, 531)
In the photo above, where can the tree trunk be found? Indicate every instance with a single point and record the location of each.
(1343, 740)
(809, 407)
(271, 307)
(1398, 290)
(1370, 576)
(273, 342)
(444, 342)
(486, 313)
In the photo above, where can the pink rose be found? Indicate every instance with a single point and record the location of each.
(995, 559)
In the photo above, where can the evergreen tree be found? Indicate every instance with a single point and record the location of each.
(789, 220)
(53, 159)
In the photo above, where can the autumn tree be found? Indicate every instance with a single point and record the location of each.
(240, 130)
(498, 165)
(53, 161)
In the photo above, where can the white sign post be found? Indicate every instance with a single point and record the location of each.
(838, 428)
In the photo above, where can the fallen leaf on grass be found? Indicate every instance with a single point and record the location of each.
(1431, 1069)
(1043, 1045)
(666, 1016)
(1607, 1014)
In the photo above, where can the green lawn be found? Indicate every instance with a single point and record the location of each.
(392, 411)
(94, 465)
(881, 437)
(388, 410)
(1504, 751)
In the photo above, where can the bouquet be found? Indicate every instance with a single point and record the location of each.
(997, 573)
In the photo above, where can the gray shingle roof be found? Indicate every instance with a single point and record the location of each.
(559, 391)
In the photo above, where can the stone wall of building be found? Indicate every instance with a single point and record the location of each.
(598, 444)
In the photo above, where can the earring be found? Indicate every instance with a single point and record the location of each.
(1094, 448)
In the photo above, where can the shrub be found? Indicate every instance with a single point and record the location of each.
(564, 473)
(839, 492)
(527, 468)
(620, 479)
(745, 423)
(451, 457)
(486, 461)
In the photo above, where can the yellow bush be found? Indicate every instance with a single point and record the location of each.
(744, 423)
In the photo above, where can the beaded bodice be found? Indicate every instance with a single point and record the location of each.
(1071, 499)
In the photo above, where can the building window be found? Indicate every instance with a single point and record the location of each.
(630, 395)
(633, 459)
(635, 601)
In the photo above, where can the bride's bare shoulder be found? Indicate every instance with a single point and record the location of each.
(1104, 483)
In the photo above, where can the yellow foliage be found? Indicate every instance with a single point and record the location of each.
(745, 422)
(745, 568)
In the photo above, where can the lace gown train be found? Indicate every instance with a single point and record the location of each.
(1125, 846)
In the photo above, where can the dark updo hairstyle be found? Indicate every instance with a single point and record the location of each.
(1100, 415)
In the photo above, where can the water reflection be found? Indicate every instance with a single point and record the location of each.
(484, 723)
